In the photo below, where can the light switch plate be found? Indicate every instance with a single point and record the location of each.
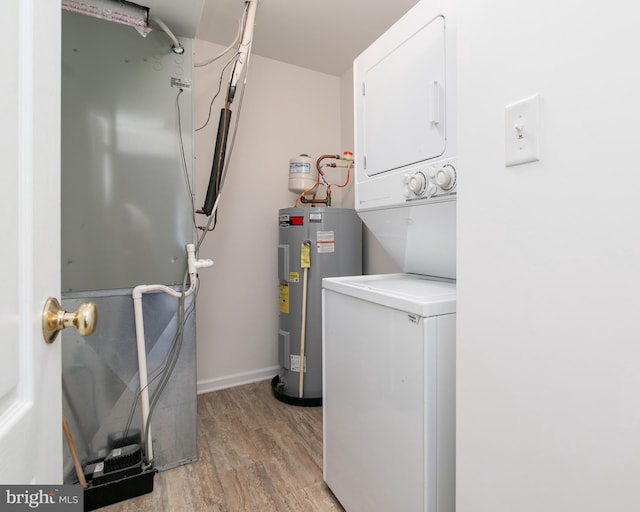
(522, 131)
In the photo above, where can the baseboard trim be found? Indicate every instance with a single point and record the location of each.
(236, 379)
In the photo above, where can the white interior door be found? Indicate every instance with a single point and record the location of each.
(30, 390)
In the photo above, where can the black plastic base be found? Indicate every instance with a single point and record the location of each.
(96, 496)
(292, 400)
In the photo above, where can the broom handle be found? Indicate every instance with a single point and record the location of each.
(303, 328)
(74, 454)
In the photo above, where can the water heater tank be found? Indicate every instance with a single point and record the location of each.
(333, 237)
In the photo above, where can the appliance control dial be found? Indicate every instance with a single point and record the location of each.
(446, 177)
(417, 183)
(405, 188)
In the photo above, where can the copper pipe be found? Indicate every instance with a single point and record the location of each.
(322, 158)
(326, 200)
(304, 200)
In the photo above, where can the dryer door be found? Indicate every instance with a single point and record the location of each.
(403, 101)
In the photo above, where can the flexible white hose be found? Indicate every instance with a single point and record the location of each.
(177, 46)
(223, 52)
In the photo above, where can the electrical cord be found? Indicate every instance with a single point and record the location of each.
(158, 370)
(183, 159)
(175, 354)
(235, 56)
(213, 217)
(241, 22)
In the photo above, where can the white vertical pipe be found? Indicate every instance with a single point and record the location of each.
(138, 291)
(142, 370)
(245, 42)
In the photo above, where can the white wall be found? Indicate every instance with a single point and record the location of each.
(287, 110)
(548, 407)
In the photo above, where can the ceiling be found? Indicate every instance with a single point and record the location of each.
(323, 35)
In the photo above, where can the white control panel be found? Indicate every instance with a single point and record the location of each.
(430, 181)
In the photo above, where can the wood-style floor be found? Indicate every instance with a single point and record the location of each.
(256, 454)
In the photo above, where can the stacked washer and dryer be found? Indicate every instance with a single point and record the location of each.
(389, 340)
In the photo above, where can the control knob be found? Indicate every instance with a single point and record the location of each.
(405, 188)
(417, 183)
(446, 177)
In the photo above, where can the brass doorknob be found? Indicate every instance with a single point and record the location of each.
(54, 319)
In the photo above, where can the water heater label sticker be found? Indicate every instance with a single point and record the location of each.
(326, 241)
(315, 217)
(295, 363)
(284, 298)
(294, 277)
(291, 220)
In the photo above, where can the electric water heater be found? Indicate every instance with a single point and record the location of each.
(314, 243)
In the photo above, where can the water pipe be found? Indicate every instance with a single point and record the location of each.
(137, 294)
(244, 49)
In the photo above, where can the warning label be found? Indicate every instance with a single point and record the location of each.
(295, 363)
(326, 241)
(284, 298)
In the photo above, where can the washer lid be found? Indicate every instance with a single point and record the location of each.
(412, 293)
